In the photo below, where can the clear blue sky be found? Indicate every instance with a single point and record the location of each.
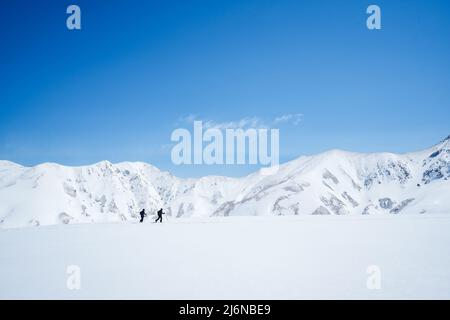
(116, 89)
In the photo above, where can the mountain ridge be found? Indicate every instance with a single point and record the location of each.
(333, 182)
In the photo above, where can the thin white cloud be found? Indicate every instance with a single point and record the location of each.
(186, 119)
(243, 123)
(294, 118)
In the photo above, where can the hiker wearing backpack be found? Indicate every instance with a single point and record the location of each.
(143, 214)
(160, 213)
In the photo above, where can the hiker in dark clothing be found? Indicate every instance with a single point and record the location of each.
(143, 214)
(160, 213)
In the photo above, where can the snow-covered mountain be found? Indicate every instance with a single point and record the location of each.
(331, 183)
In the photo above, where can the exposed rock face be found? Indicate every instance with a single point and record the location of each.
(334, 205)
(402, 205)
(64, 218)
(349, 198)
(321, 211)
(386, 203)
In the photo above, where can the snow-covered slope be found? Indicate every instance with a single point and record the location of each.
(331, 183)
(271, 257)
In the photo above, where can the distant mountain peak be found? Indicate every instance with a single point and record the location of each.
(445, 143)
(9, 163)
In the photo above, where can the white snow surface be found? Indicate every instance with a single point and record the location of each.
(331, 183)
(270, 257)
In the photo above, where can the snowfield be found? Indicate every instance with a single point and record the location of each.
(271, 257)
